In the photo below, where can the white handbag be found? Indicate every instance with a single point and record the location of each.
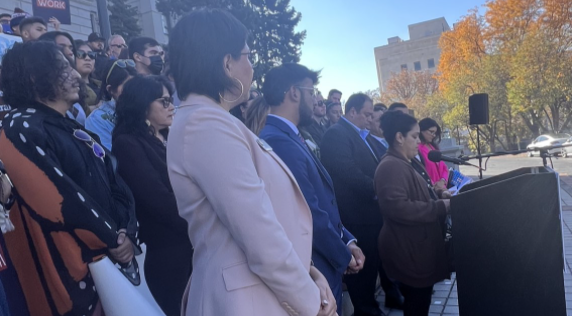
(118, 296)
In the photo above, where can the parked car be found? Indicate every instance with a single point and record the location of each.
(566, 151)
(547, 140)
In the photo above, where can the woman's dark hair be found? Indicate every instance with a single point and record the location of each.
(330, 105)
(237, 110)
(393, 122)
(426, 124)
(114, 79)
(78, 43)
(26, 77)
(51, 37)
(198, 44)
(133, 104)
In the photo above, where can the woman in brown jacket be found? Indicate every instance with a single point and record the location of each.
(411, 241)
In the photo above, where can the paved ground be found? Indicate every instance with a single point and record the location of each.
(445, 302)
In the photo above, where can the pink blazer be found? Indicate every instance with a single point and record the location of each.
(435, 170)
(248, 221)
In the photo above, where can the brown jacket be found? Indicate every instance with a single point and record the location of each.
(411, 242)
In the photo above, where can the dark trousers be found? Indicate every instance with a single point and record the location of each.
(361, 286)
(167, 271)
(417, 300)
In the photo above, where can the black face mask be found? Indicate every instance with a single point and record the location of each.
(156, 65)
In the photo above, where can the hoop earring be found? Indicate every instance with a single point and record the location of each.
(240, 96)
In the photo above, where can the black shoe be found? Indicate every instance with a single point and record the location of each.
(394, 303)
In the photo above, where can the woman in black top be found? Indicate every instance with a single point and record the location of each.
(71, 207)
(143, 116)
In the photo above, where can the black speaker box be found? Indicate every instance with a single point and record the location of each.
(479, 109)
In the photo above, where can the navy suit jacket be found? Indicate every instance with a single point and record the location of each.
(329, 250)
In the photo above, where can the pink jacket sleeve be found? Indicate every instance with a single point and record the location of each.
(436, 170)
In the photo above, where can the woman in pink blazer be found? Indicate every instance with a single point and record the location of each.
(430, 137)
(248, 220)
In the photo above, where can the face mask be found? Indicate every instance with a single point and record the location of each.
(6, 28)
(156, 65)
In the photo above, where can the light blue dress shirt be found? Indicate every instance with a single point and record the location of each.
(362, 133)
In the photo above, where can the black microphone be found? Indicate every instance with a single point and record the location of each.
(436, 156)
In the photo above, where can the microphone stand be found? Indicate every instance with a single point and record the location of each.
(479, 153)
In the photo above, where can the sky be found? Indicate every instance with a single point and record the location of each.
(341, 34)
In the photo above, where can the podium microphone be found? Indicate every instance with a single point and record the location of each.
(436, 156)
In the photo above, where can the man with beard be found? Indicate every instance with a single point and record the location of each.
(290, 95)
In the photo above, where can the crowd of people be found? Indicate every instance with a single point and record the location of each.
(271, 200)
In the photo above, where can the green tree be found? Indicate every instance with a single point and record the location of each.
(123, 19)
(271, 23)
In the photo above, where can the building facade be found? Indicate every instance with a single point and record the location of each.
(84, 17)
(420, 53)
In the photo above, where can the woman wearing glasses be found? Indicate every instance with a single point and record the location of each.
(248, 220)
(102, 120)
(430, 137)
(144, 113)
(85, 65)
(71, 208)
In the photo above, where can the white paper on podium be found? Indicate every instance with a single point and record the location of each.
(118, 296)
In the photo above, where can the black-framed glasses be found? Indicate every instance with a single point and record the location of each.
(432, 133)
(249, 56)
(321, 103)
(166, 101)
(98, 151)
(121, 63)
(82, 54)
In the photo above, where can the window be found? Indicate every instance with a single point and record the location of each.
(431, 63)
(417, 65)
(403, 67)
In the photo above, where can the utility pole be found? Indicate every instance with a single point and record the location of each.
(103, 14)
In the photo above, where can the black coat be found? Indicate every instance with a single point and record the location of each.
(142, 162)
(351, 164)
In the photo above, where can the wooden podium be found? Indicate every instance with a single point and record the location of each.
(508, 248)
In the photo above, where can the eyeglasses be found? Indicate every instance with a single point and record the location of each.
(321, 103)
(121, 46)
(249, 56)
(121, 63)
(433, 133)
(167, 101)
(98, 151)
(81, 54)
(314, 90)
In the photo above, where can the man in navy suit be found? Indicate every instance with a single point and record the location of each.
(290, 95)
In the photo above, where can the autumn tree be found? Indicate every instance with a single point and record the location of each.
(519, 52)
(412, 88)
